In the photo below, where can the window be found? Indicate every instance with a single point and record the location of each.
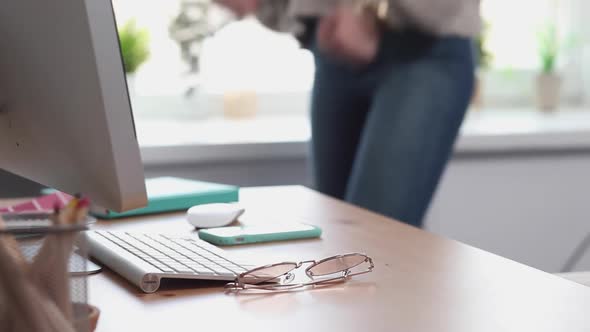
(246, 72)
(512, 35)
(262, 77)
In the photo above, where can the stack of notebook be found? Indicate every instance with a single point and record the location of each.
(164, 194)
(173, 194)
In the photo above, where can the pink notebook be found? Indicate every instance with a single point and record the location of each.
(42, 204)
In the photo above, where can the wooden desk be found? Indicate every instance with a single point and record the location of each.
(421, 282)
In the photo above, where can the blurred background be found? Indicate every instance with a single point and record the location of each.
(221, 100)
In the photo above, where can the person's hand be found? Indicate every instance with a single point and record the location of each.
(349, 35)
(240, 7)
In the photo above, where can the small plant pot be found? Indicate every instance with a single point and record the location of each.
(240, 104)
(548, 91)
(131, 85)
(477, 96)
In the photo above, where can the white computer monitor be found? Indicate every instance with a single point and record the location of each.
(65, 115)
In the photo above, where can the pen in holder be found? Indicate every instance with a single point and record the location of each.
(39, 287)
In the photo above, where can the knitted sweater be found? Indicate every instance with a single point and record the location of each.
(439, 17)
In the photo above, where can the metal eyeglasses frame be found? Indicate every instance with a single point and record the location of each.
(241, 282)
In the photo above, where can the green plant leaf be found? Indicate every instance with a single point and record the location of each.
(548, 47)
(484, 56)
(134, 44)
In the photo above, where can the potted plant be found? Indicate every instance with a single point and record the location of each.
(548, 84)
(134, 49)
(484, 61)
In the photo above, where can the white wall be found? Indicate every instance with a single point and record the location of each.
(533, 208)
(242, 173)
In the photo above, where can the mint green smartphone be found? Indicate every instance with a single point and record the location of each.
(228, 236)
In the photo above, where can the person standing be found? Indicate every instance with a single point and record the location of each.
(393, 81)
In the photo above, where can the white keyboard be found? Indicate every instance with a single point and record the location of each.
(145, 258)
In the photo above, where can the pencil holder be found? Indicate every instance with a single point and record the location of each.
(43, 279)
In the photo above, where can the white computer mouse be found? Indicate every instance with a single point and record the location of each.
(214, 214)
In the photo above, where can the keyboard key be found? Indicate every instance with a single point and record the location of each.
(177, 255)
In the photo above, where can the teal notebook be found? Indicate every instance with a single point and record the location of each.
(173, 194)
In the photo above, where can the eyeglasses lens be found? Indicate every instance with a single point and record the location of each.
(337, 264)
(268, 273)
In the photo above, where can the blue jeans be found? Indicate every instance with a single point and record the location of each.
(382, 134)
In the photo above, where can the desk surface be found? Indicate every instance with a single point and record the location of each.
(421, 282)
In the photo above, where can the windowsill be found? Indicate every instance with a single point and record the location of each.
(185, 140)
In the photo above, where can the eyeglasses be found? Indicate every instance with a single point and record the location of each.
(281, 276)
